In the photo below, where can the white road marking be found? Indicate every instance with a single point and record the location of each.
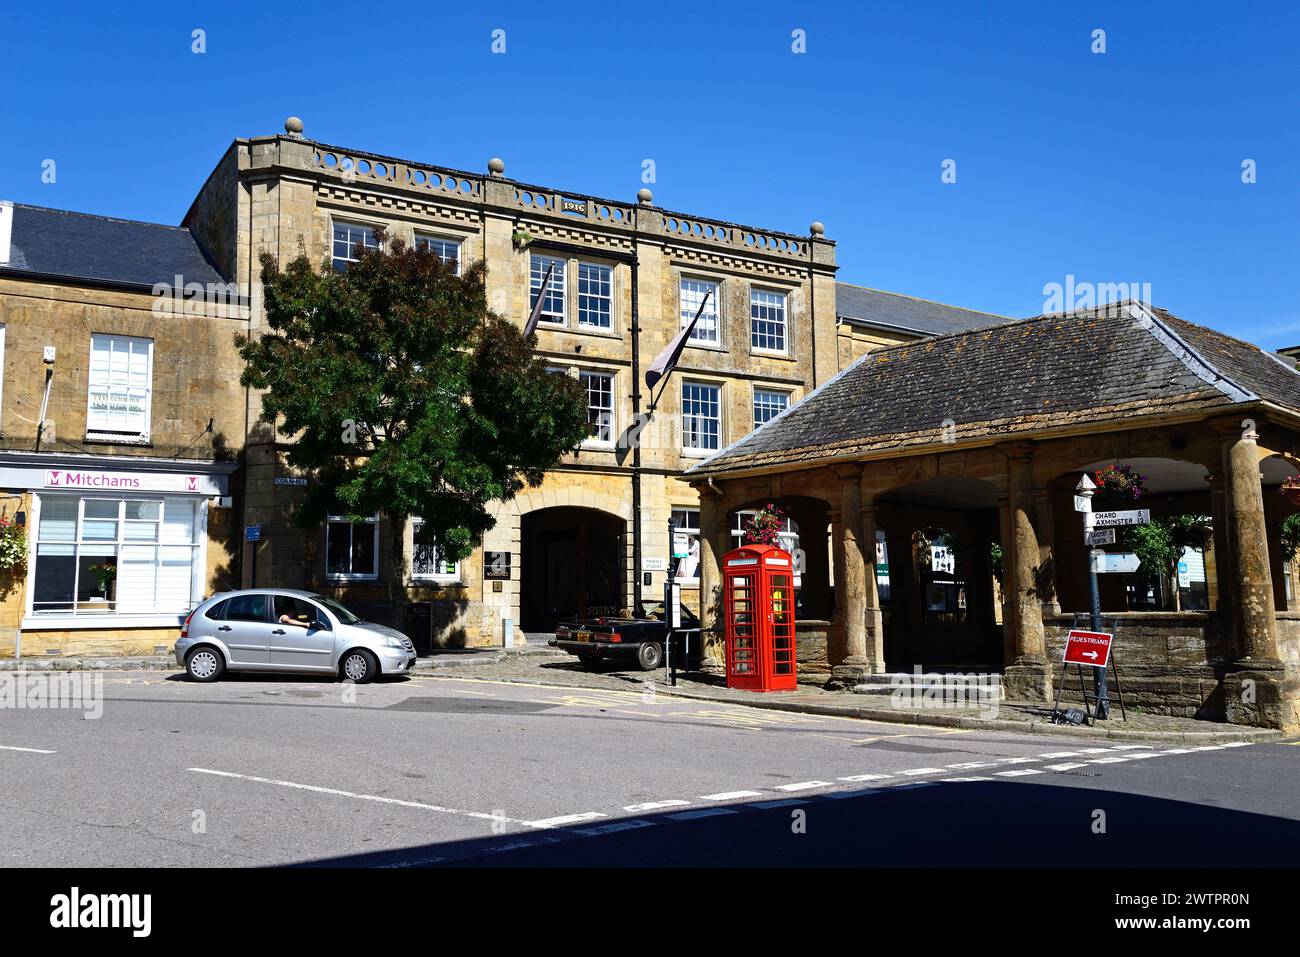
(6, 747)
(1110, 760)
(730, 796)
(1016, 760)
(1177, 751)
(918, 771)
(654, 806)
(1018, 773)
(419, 805)
(1144, 754)
(853, 778)
(803, 786)
(1237, 744)
(963, 780)
(1093, 750)
(1065, 767)
(706, 812)
(1130, 747)
(971, 765)
(1061, 754)
(564, 819)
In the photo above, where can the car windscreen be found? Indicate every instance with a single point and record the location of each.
(337, 609)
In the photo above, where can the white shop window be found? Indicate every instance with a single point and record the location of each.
(427, 560)
(120, 388)
(97, 555)
(789, 535)
(687, 521)
(351, 548)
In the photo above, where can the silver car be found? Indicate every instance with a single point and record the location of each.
(276, 629)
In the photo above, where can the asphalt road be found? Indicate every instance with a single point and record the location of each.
(456, 770)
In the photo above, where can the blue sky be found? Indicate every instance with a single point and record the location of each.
(1115, 167)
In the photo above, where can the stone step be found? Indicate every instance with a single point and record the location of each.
(937, 689)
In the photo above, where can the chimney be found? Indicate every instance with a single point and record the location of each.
(6, 230)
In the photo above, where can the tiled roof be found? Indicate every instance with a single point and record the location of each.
(1104, 365)
(96, 248)
(892, 310)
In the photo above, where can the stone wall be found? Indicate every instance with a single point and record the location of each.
(1169, 662)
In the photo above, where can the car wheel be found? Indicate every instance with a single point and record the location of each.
(204, 664)
(359, 666)
(649, 656)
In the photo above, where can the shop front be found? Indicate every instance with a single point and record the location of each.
(118, 552)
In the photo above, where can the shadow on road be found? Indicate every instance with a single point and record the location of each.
(991, 824)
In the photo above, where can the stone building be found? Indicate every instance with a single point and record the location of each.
(978, 439)
(626, 276)
(121, 423)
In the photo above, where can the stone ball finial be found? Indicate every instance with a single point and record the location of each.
(644, 196)
(817, 229)
(293, 126)
(496, 166)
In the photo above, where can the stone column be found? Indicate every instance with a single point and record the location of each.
(1253, 612)
(851, 589)
(1223, 561)
(1046, 550)
(713, 528)
(874, 644)
(1258, 689)
(835, 636)
(1027, 675)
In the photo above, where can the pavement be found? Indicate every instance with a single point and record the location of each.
(453, 768)
(537, 664)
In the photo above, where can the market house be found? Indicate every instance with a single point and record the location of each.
(975, 442)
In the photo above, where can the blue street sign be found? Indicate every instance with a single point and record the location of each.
(252, 533)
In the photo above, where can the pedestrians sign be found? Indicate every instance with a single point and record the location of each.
(1087, 648)
(252, 533)
(1135, 516)
(1102, 536)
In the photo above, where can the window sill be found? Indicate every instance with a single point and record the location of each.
(115, 619)
(706, 346)
(697, 453)
(771, 354)
(349, 579)
(453, 582)
(104, 439)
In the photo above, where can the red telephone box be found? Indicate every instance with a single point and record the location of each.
(758, 606)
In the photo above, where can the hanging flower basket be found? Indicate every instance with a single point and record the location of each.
(1118, 486)
(1291, 489)
(765, 527)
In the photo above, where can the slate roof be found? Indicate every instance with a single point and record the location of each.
(81, 246)
(1106, 365)
(875, 307)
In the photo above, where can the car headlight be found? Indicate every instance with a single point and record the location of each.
(391, 642)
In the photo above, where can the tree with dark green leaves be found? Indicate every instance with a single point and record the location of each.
(1159, 545)
(403, 394)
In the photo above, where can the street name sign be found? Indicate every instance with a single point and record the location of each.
(1091, 648)
(252, 533)
(1102, 536)
(1112, 563)
(1081, 503)
(1135, 516)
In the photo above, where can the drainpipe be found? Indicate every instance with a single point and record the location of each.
(637, 609)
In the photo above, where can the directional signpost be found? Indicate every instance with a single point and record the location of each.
(1098, 529)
